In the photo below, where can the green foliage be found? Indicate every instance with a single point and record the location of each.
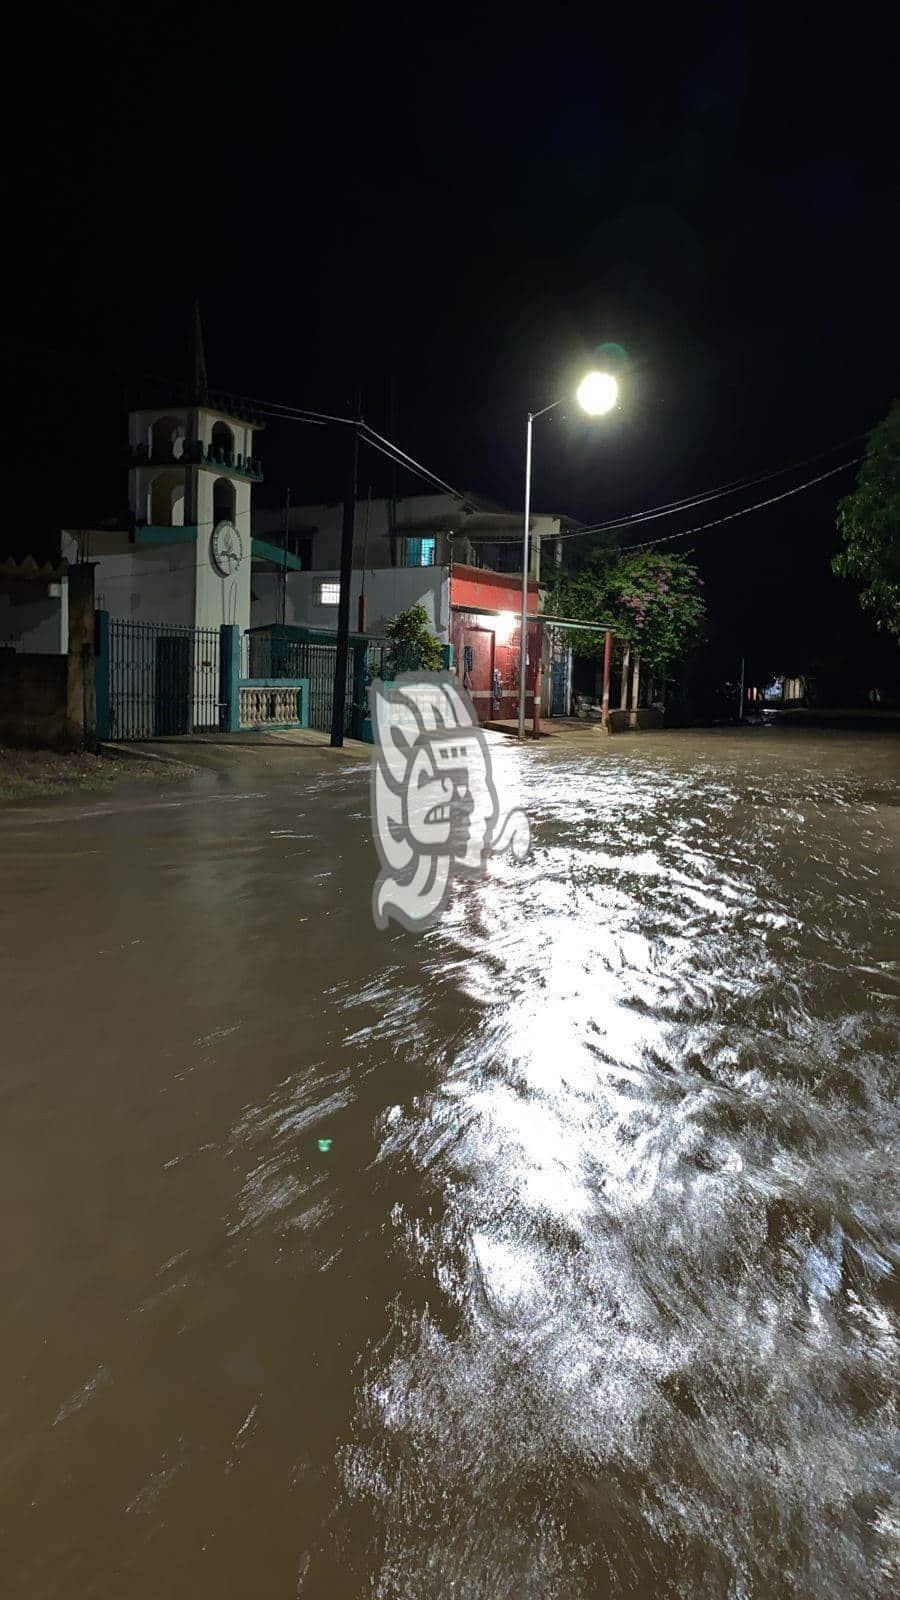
(412, 647)
(658, 607)
(580, 591)
(651, 601)
(579, 597)
(869, 523)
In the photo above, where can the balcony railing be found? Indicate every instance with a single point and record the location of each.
(270, 703)
(194, 453)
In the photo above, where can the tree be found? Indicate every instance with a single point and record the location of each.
(580, 589)
(868, 521)
(579, 597)
(652, 602)
(412, 647)
(658, 607)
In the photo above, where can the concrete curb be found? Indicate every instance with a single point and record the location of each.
(129, 752)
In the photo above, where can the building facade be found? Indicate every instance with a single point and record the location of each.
(460, 561)
(404, 552)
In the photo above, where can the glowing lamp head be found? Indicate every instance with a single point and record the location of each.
(597, 392)
(504, 624)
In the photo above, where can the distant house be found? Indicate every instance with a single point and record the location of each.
(460, 560)
(780, 692)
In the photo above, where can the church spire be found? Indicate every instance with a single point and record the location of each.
(199, 388)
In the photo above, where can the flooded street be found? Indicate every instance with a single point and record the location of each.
(547, 1254)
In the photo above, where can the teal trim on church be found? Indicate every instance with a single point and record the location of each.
(260, 549)
(264, 551)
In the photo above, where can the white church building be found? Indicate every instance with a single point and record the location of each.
(184, 555)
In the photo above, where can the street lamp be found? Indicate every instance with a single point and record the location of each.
(596, 394)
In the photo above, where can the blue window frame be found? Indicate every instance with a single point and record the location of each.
(420, 552)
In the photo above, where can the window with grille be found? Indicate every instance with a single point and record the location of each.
(329, 592)
(421, 552)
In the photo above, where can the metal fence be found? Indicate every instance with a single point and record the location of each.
(271, 655)
(163, 679)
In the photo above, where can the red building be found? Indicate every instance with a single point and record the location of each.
(485, 613)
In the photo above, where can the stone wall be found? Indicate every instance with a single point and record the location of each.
(47, 702)
(34, 701)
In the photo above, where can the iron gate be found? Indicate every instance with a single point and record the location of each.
(163, 679)
(269, 655)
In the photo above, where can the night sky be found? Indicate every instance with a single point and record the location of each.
(462, 210)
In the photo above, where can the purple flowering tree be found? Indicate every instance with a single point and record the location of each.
(652, 602)
(657, 607)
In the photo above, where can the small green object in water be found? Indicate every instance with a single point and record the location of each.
(325, 1145)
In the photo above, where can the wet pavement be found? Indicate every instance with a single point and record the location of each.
(547, 1254)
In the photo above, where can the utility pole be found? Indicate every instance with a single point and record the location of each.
(741, 694)
(392, 502)
(287, 519)
(342, 653)
(361, 619)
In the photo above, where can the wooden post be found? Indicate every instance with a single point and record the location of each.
(283, 575)
(626, 663)
(607, 664)
(342, 650)
(635, 687)
(361, 619)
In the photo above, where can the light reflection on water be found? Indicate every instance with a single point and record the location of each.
(655, 1355)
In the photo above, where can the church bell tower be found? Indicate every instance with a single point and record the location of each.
(191, 476)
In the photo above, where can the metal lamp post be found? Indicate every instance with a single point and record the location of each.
(596, 394)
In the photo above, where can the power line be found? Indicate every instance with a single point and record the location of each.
(368, 434)
(671, 507)
(401, 459)
(279, 413)
(745, 510)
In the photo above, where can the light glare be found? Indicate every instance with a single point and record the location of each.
(597, 392)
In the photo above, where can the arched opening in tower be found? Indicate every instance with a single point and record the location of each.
(223, 444)
(223, 501)
(167, 437)
(166, 497)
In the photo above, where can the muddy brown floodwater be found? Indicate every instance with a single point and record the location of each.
(590, 1292)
